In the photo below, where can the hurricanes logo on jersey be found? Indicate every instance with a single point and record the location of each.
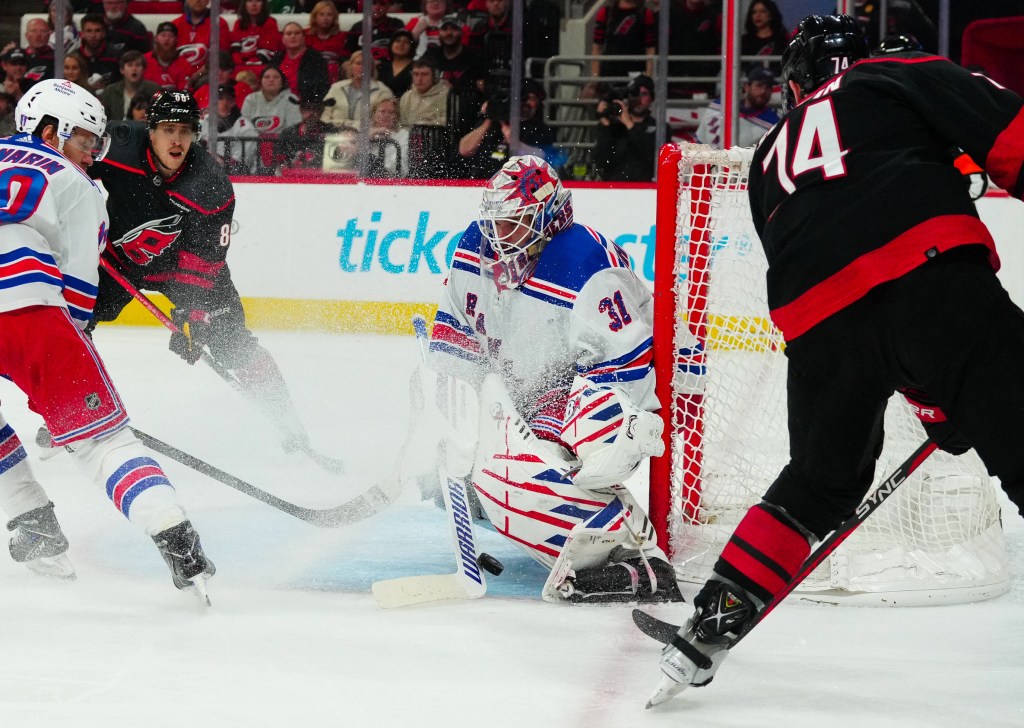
(150, 239)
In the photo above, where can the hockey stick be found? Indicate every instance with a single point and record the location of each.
(330, 464)
(364, 505)
(664, 632)
(467, 582)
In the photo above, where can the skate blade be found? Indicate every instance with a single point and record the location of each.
(53, 567)
(666, 690)
(199, 590)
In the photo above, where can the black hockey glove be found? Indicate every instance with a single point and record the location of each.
(936, 426)
(193, 333)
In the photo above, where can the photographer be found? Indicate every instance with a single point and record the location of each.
(487, 147)
(625, 149)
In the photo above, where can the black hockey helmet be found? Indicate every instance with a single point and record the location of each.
(177, 106)
(824, 45)
(901, 43)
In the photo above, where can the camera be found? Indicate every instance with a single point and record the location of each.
(499, 95)
(625, 92)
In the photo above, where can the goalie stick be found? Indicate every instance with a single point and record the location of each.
(664, 632)
(467, 582)
(332, 465)
(370, 502)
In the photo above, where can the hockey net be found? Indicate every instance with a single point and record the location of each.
(722, 379)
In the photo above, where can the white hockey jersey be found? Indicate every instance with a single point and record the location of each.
(53, 223)
(583, 311)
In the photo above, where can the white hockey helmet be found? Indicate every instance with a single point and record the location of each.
(71, 105)
(524, 205)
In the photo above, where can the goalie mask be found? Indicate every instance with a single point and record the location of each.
(524, 205)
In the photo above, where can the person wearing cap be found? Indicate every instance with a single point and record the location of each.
(123, 28)
(464, 70)
(301, 146)
(426, 28)
(396, 73)
(756, 114)
(163, 65)
(15, 65)
(626, 146)
(117, 97)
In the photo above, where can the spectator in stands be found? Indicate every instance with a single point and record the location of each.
(625, 149)
(103, 56)
(534, 130)
(695, 30)
(487, 147)
(163, 65)
(343, 102)
(72, 36)
(225, 77)
(123, 28)
(38, 51)
(302, 145)
(426, 103)
(13, 89)
(764, 33)
(247, 77)
(139, 109)
(389, 140)
(756, 116)
(325, 36)
(382, 27)
(15, 66)
(7, 104)
(464, 70)
(426, 28)
(303, 68)
(396, 73)
(623, 28)
(492, 36)
(237, 140)
(117, 97)
(76, 70)
(194, 34)
(255, 38)
(273, 108)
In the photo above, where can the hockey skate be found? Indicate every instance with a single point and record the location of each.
(181, 549)
(702, 644)
(627, 577)
(39, 543)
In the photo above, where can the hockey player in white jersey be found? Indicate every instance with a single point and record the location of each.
(53, 223)
(553, 309)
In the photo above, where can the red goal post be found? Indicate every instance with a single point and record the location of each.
(721, 377)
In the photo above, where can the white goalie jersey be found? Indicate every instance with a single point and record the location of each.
(582, 312)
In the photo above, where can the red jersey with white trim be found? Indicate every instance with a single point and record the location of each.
(172, 77)
(172, 234)
(856, 185)
(52, 227)
(194, 40)
(583, 311)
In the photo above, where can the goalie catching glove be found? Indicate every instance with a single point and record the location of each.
(192, 335)
(608, 433)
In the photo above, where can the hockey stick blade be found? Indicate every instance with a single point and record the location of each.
(370, 502)
(664, 631)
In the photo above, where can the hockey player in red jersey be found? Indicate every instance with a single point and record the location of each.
(905, 301)
(50, 235)
(171, 207)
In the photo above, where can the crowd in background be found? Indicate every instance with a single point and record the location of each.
(290, 95)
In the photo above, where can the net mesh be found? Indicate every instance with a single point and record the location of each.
(937, 538)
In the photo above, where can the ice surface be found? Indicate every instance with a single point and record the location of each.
(295, 639)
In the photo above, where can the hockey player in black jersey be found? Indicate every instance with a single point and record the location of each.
(882, 278)
(171, 208)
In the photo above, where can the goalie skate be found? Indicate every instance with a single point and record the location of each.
(39, 543)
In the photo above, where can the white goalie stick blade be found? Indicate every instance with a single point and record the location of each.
(467, 582)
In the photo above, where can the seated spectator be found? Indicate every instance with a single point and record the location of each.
(764, 33)
(7, 104)
(13, 89)
(251, 81)
(139, 108)
(325, 36)
(123, 28)
(163, 65)
(425, 28)
(236, 137)
(492, 36)
(72, 37)
(426, 103)
(303, 68)
(623, 28)
(389, 141)
(38, 52)
(343, 102)
(194, 34)
(463, 69)
(756, 116)
(625, 149)
(535, 131)
(102, 56)
(15, 65)
(382, 27)
(225, 77)
(255, 38)
(302, 145)
(76, 70)
(396, 73)
(273, 108)
(487, 147)
(117, 97)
